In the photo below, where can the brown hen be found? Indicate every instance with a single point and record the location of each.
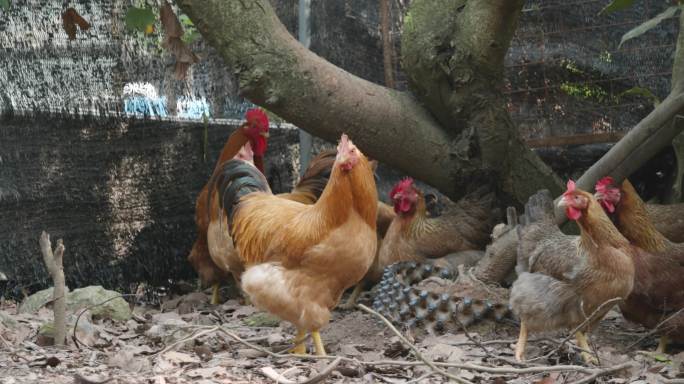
(659, 264)
(563, 279)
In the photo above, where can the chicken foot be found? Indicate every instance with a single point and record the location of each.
(300, 347)
(522, 342)
(584, 345)
(662, 344)
(215, 294)
(351, 301)
(318, 343)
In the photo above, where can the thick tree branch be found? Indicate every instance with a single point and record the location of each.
(278, 73)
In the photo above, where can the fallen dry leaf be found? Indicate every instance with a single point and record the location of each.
(274, 375)
(128, 361)
(550, 379)
(172, 27)
(207, 373)
(173, 31)
(70, 19)
(180, 358)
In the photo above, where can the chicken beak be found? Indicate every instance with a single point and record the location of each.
(562, 203)
(264, 134)
(599, 196)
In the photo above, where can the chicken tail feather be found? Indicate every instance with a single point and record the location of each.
(534, 224)
(317, 174)
(235, 179)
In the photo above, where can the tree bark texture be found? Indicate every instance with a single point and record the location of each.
(387, 46)
(472, 139)
(54, 264)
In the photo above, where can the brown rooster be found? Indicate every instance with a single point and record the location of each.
(307, 191)
(414, 236)
(300, 258)
(659, 264)
(255, 133)
(563, 279)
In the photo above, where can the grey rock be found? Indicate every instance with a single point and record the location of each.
(115, 309)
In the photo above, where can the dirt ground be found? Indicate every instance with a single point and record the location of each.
(190, 341)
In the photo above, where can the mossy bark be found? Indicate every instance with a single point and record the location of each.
(459, 132)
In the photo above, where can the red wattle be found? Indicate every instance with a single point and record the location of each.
(573, 213)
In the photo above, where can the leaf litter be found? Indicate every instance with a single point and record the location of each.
(177, 345)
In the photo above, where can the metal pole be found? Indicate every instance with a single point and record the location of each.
(305, 139)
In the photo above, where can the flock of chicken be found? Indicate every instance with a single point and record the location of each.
(295, 254)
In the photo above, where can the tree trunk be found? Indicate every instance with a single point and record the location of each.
(387, 46)
(474, 139)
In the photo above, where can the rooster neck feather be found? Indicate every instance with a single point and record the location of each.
(349, 189)
(634, 223)
(232, 146)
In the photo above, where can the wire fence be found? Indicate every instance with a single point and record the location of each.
(565, 73)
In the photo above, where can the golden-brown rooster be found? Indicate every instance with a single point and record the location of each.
(414, 236)
(307, 191)
(563, 279)
(300, 258)
(248, 141)
(658, 292)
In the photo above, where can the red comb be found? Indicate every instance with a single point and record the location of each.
(603, 183)
(401, 185)
(257, 116)
(570, 186)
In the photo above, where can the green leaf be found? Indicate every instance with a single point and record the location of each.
(649, 24)
(190, 36)
(138, 19)
(5, 4)
(644, 92)
(185, 20)
(661, 358)
(617, 5)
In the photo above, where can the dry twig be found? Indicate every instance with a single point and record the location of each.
(654, 330)
(593, 372)
(411, 346)
(54, 264)
(571, 334)
(73, 336)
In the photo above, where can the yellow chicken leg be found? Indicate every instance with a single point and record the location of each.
(318, 343)
(300, 347)
(215, 294)
(522, 343)
(584, 344)
(662, 344)
(351, 301)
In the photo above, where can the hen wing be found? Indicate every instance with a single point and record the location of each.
(463, 225)
(542, 247)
